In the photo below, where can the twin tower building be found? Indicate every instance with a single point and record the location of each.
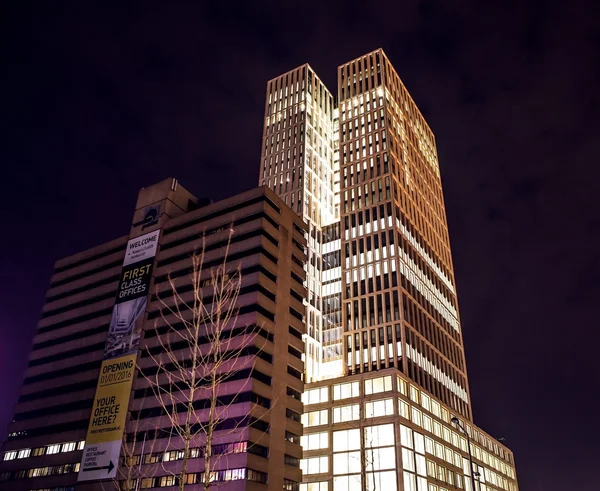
(360, 380)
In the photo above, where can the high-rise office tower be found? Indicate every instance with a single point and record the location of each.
(387, 259)
(298, 162)
(396, 250)
(394, 237)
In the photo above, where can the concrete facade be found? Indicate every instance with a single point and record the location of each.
(262, 238)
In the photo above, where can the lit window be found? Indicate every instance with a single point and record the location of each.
(24, 453)
(448, 455)
(80, 445)
(315, 418)
(315, 441)
(403, 409)
(429, 445)
(379, 436)
(380, 458)
(344, 391)
(439, 450)
(347, 483)
(377, 385)
(431, 469)
(406, 436)
(401, 386)
(410, 483)
(425, 401)
(315, 396)
(381, 480)
(68, 447)
(53, 449)
(383, 407)
(419, 442)
(427, 423)
(408, 460)
(167, 481)
(147, 482)
(446, 435)
(441, 473)
(315, 465)
(346, 440)
(421, 465)
(315, 486)
(344, 462)
(417, 416)
(414, 393)
(457, 459)
(10, 455)
(346, 413)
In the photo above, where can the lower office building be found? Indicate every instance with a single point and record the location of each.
(52, 444)
(378, 431)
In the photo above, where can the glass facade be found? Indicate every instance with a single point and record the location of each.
(397, 433)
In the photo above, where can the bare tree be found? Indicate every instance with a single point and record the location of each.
(131, 470)
(203, 348)
(366, 454)
(368, 460)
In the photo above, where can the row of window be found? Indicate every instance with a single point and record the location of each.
(413, 441)
(237, 423)
(227, 212)
(39, 472)
(303, 81)
(163, 481)
(79, 350)
(198, 452)
(348, 389)
(412, 235)
(358, 104)
(428, 368)
(45, 450)
(417, 317)
(377, 453)
(438, 302)
(432, 406)
(440, 375)
(441, 304)
(374, 481)
(443, 452)
(195, 478)
(385, 407)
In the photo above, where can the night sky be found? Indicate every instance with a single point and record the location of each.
(99, 102)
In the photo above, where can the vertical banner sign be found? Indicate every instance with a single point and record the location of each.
(107, 423)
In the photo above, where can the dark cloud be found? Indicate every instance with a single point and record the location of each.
(98, 102)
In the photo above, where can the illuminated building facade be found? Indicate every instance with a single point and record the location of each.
(357, 265)
(386, 266)
(300, 164)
